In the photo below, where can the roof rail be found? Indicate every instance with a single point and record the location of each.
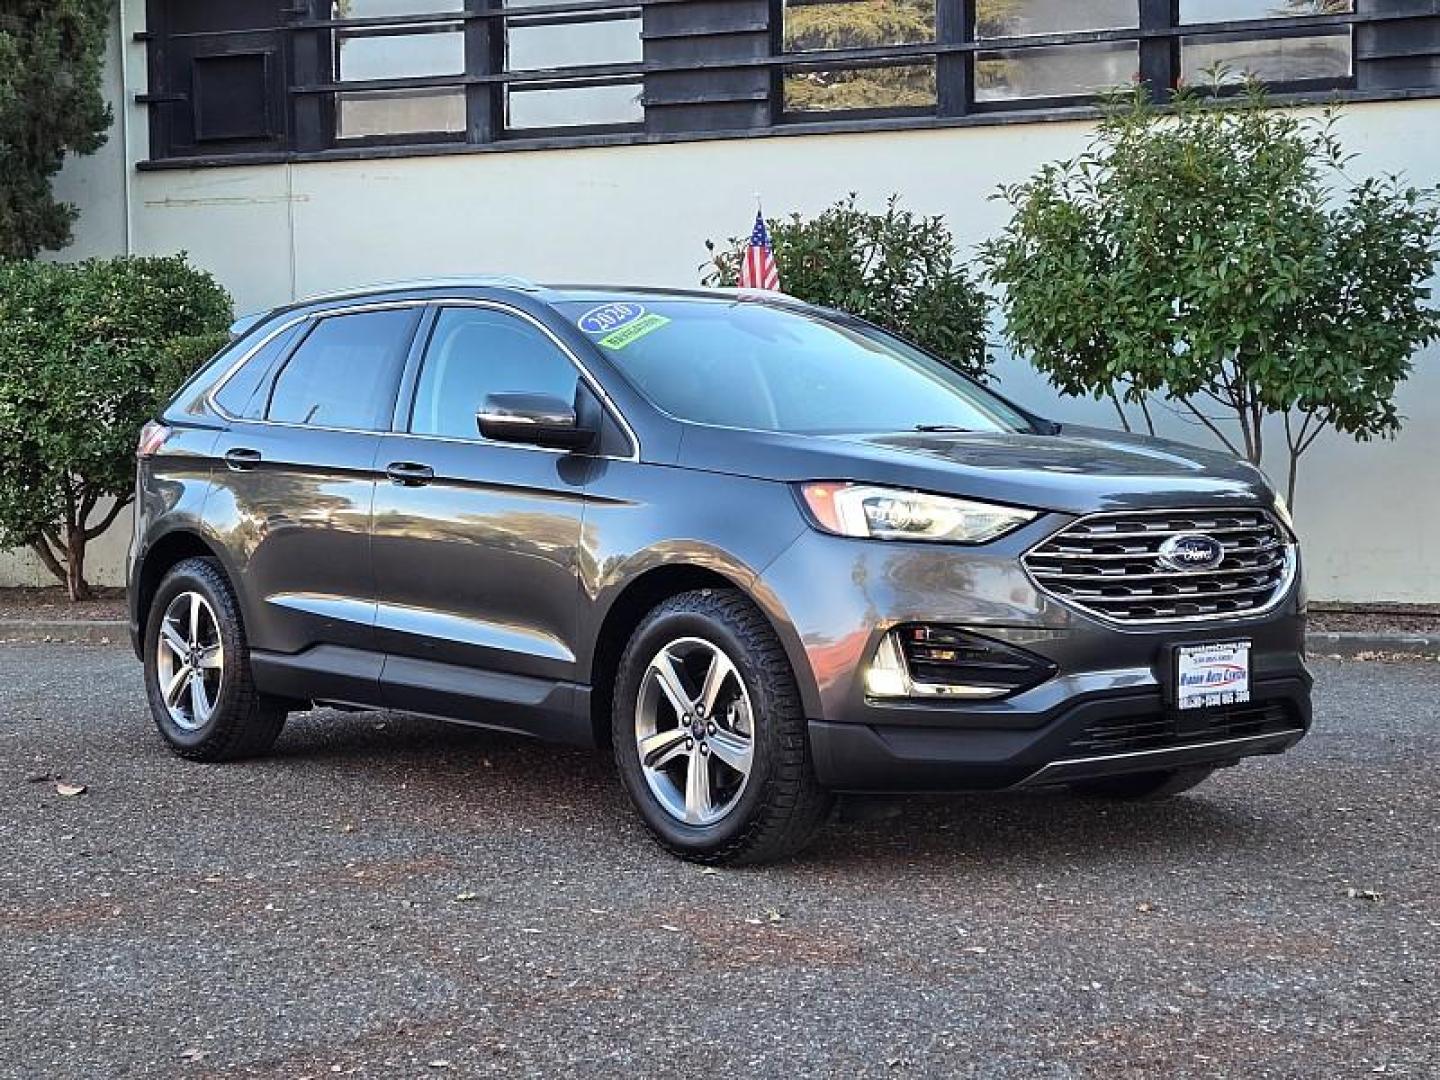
(506, 281)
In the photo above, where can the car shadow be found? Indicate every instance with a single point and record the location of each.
(1047, 826)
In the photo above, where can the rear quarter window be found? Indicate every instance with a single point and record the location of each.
(240, 395)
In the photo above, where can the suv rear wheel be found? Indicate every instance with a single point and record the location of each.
(710, 735)
(197, 669)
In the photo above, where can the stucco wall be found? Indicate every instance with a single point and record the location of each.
(1369, 514)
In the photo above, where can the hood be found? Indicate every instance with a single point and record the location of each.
(1077, 470)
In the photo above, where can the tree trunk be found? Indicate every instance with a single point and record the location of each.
(75, 582)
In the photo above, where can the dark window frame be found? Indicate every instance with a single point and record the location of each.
(699, 73)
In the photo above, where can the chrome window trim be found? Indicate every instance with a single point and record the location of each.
(1283, 587)
(607, 402)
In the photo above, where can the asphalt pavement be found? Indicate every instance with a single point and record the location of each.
(390, 896)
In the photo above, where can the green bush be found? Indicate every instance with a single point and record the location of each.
(88, 353)
(1219, 258)
(896, 269)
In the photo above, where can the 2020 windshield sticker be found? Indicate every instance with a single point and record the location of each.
(617, 325)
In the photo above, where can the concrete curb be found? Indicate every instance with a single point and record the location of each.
(1352, 644)
(116, 632)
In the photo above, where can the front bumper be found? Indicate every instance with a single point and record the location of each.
(1107, 677)
(888, 757)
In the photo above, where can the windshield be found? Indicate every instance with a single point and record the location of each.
(750, 365)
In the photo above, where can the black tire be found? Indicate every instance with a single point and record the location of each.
(1143, 787)
(782, 806)
(243, 723)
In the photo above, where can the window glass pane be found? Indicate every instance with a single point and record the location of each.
(392, 112)
(529, 45)
(1015, 18)
(378, 9)
(825, 24)
(401, 56)
(1054, 71)
(1203, 11)
(238, 397)
(574, 106)
(901, 86)
(475, 352)
(1277, 60)
(344, 373)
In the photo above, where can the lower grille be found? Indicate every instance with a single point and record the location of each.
(1130, 734)
(1132, 566)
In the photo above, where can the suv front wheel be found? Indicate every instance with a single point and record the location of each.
(710, 735)
(197, 669)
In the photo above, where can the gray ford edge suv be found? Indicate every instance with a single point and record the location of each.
(767, 552)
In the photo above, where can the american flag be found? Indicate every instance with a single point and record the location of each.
(757, 268)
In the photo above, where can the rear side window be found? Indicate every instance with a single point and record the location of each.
(345, 372)
(475, 352)
(240, 395)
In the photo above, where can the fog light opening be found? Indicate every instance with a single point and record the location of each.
(886, 676)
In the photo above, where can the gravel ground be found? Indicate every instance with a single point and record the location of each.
(387, 896)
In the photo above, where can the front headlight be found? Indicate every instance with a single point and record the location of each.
(879, 513)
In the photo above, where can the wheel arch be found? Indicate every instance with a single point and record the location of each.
(649, 589)
(162, 555)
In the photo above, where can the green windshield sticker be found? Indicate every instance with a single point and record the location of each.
(634, 331)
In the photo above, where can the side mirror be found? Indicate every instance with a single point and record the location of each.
(534, 420)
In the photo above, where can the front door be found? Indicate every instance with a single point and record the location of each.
(475, 542)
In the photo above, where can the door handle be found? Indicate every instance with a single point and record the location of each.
(409, 473)
(242, 457)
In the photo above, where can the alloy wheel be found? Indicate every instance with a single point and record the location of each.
(695, 731)
(190, 661)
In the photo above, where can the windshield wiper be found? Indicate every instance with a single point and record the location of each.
(937, 428)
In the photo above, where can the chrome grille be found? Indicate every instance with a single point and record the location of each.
(1109, 565)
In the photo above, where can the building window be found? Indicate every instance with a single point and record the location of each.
(568, 43)
(237, 78)
(817, 26)
(371, 52)
(1291, 55)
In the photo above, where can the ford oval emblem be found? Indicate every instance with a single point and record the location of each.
(1190, 552)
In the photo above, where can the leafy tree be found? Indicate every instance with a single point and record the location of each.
(88, 353)
(51, 56)
(1218, 258)
(896, 269)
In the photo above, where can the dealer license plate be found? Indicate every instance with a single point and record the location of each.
(1212, 675)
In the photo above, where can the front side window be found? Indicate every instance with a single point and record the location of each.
(475, 352)
(345, 372)
(747, 365)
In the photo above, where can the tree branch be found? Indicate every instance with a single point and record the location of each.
(41, 546)
(107, 520)
(1211, 425)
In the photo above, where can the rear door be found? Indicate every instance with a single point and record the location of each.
(294, 491)
(476, 542)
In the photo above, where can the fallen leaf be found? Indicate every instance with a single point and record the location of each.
(68, 790)
(194, 1054)
(672, 929)
(465, 897)
(708, 870)
(439, 1063)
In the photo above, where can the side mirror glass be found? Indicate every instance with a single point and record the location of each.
(533, 420)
